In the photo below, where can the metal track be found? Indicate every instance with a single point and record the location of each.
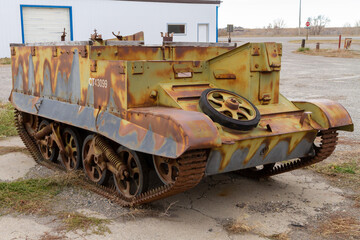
(327, 146)
(191, 171)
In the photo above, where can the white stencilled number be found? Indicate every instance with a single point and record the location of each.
(98, 82)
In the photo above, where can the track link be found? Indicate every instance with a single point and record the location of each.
(326, 148)
(191, 171)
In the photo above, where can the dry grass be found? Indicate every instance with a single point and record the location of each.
(49, 236)
(166, 213)
(279, 236)
(77, 221)
(236, 227)
(340, 227)
(314, 41)
(330, 53)
(239, 227)
(5, 61)
(357, 201)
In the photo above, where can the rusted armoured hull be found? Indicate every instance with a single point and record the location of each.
(147, 100)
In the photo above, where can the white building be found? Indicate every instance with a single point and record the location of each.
(24, 21)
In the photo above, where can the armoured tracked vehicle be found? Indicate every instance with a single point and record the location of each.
(122, 111)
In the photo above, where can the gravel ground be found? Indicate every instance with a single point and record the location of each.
(292, 204)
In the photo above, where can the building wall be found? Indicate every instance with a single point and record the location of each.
(112, 16)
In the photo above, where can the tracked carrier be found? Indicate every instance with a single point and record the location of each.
(122, 112)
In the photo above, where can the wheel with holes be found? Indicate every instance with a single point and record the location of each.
(73, 146)
(93, 163)
(229, 109)
(167, 169)
(138, 175)
(49, 150)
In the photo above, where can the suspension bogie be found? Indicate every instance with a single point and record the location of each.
(99, 157)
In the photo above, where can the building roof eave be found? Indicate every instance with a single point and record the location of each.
(178, 1)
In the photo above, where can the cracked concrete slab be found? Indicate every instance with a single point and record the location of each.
(290, 198)
(11, 142)
(15, 165)
(20, 228)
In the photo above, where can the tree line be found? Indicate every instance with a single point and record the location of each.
(317, 27)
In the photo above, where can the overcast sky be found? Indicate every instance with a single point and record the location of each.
(259, 13)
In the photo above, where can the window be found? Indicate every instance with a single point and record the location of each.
(176, 28)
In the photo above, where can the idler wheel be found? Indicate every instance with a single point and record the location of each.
(94, 163)
(136, 180)
(72, 146)
(229, 109)
(48, 148)
(167, 169)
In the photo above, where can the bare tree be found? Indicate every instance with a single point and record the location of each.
(276, 26)
(357, 23)
(318, 24)
(279, 23)
(347, 25)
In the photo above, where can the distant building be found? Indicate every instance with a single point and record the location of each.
(43, 20)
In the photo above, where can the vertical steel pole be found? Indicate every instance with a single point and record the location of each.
(307, 33)
(299, 17)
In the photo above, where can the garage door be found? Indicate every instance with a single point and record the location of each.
(45, 24)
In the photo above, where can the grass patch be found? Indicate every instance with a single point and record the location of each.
(303, 49)
(32, 195)
(77, 221)
(5, 61)
(344, 172)
(328, 41)
(330, 53)
(348, 172)
(7, 127)
(340, 227)
(37, 196)
(350, 168)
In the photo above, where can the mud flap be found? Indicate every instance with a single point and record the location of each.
(326, 114)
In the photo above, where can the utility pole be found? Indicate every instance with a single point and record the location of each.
(299, 17)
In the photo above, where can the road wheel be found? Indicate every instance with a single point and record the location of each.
(72, 145)
(229, 109)
(138, 175)
(50, 153)
(167, 169)
(92, 162)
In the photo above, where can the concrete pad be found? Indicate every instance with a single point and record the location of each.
(15, 165)
(11, 142)
(270, 206)
(19, 228)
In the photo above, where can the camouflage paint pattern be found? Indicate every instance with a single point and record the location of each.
(146, 98)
